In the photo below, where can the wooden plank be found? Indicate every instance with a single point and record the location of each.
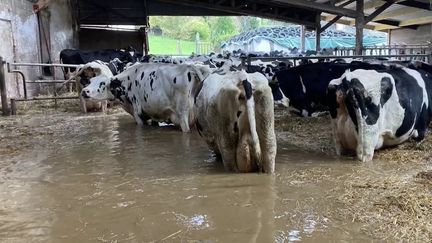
(373, 4)
(319, 7)
(330, 23)
(348, 22)
(416, 4)
(396, 13)
(382, 27)
(243, 11)
(378, 11)
(346, 3)
(416, 21)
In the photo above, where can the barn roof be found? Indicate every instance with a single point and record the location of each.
(380, 14)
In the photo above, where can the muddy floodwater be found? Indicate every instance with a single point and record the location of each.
(95, 178)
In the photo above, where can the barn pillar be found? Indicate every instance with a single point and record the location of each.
(318, 33)
(3, 92)
(302, 38)
(144, 33)
(359, 24)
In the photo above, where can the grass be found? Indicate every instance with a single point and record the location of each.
(166, 46)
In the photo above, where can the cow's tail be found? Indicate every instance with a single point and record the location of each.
(250, 111)
(354, 102)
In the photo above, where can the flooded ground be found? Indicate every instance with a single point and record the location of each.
(69, 177)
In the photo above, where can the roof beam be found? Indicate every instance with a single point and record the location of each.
(382, 27)
(320, 7)
(417, 21)
(330, 23)
(378, 11)
(416, 4)
(396, 13)
(346, 3)
(373, 4)
(244, 11)
(345, 22)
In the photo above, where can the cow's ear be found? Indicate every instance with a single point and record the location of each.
(386, 90)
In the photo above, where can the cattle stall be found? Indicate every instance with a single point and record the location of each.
(25, 81)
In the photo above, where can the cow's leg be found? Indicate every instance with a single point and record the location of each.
(369, 137)
(336, 139)
(421, 125)
(264, 113)
(104, 106)
(83, 104)
(184, 122)
(138, 119)
(228, 152)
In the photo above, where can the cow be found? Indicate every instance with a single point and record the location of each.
(152, 91)
(235, 116)
(76, 56)
(306, 86)
(372, 109)
(93, 69)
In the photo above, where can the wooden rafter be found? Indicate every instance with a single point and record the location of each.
(378, 11)
(320, 7)
(267, 9)
(396, 13)
(416, 21)
(330, 23)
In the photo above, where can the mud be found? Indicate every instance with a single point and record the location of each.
(70, 177)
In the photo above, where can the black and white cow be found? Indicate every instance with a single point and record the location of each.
(235, 116)
(156, 91)
(91, 70)
(306, 85)
(372, 109)
(76, 56)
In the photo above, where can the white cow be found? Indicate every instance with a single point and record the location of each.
(156, 91)
(83, 75)
(235, 116)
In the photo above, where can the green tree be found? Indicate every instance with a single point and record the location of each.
(222, 29)
(198, 26)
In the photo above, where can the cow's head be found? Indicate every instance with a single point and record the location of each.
(278, 96)
(91, 70)
(100, 88)
(293, 87)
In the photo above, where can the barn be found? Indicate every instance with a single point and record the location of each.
(338, 148)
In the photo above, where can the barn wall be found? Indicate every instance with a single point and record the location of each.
(63, 32)
(93, 39)
(409, 36)
(20, 42)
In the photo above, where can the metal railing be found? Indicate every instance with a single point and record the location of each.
(13, 108)
(246, 61)
(387, 50)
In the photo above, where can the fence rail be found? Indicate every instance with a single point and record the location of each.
(25, 81)
(387, 50)
(420, 57)
(245, 61)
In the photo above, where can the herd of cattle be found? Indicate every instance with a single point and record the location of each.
(372, 104)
